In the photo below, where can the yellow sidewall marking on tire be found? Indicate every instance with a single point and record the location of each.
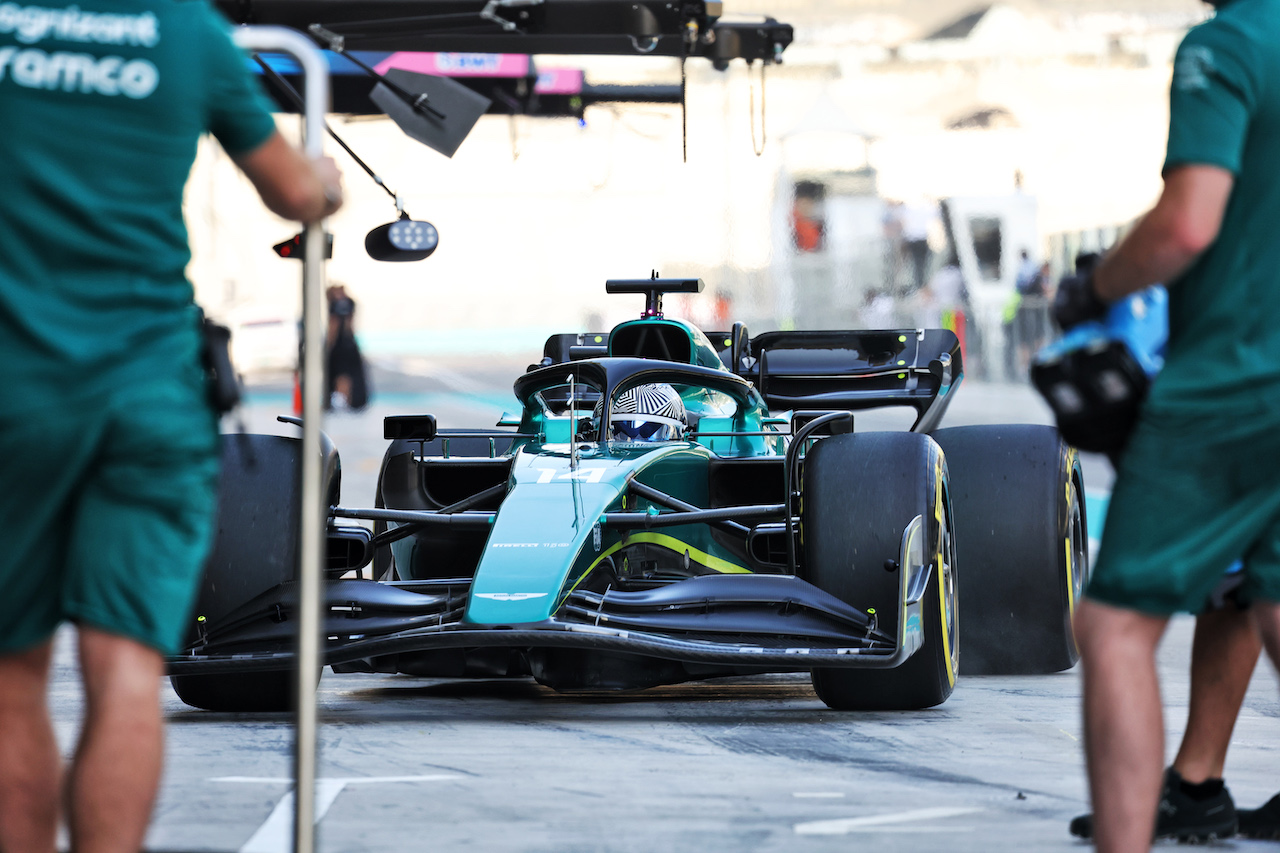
(1071, 579)
(1071, 568)
(942, 591)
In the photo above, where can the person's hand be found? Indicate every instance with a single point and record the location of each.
(330, 178)
(1076, 301)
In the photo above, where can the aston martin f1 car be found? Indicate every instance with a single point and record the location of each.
(669, 505)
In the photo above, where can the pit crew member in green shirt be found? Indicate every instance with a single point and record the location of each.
(1199, 482)
(108, 447)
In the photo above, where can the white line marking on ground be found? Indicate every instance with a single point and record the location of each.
(818, 794)
(358, 780)
(276, 834)
(842, 826)
(894, 829)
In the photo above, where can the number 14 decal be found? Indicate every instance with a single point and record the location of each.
(586, 475)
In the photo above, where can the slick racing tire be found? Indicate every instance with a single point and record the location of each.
(1018, 494)
(859, 494)
(255, 550)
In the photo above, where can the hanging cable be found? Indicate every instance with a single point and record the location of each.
(686, 44)
(293, 95)
(758, 148)
(684, 115)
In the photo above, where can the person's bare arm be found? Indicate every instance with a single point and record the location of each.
(290, 184)
(1182, 225)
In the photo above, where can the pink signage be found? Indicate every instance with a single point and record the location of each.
(458, 64)
(559, 81)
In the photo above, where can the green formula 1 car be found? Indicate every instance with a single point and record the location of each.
(670, 505)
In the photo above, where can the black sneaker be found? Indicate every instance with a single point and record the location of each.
(1261, 823)
(1186, 818)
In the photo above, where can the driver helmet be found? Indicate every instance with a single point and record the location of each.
(652, 412)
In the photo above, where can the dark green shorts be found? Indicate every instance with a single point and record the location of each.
(1193, 494)
(107, 506)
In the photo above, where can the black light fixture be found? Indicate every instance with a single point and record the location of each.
(406, 239)
(403, 240)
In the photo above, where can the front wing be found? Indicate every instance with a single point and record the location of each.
(761, 621)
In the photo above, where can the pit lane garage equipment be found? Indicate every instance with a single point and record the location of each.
(585, 27)
(403, 240)
(1097, 374)
(598, 27)
(440, 112)
(768, 536)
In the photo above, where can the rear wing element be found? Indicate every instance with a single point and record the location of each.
(856, 370)
(822, 371)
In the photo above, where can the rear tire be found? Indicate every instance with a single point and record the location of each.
(859, 494)
(1018, 493)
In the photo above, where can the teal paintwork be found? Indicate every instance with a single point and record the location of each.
(545, 523)
(544, 538)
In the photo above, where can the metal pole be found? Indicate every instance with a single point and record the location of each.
(316, 73)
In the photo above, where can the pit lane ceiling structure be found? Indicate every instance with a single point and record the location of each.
(596, 27)
(514, 83)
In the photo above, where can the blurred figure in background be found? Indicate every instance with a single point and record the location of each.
(348, 382)
(808, 222)
(1032, 317)
(877, 310)
(916, 220)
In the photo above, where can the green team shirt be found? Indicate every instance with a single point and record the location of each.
(1224, 312)
(102, 103)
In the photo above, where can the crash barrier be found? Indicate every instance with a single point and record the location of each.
(1063, 247)
(315, 71)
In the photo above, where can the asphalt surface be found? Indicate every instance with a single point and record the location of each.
(755, 764)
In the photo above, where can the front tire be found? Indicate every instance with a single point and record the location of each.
(255, 549)
(859, 494)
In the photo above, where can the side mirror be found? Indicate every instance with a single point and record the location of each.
(403, 240)
(411, 427)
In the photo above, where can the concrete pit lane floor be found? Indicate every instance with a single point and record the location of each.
(749, 764)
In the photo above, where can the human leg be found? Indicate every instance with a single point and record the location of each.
(29, 762)
(1264, 822)
(1197, 805)
(113, 778)
(1124, 725)
(139, 536)
(1158, 556)
(1266, 616)
(45, 453)
(1224, 653)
